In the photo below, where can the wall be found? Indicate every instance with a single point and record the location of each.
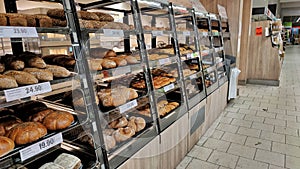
(260, 3)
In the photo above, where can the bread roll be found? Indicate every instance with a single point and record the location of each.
(104, 17)
(95, 64)
(129, 59)
(43, 21)
(16, 19)
(40, 74)
(27, 132)
(6, 145)
(58, 71)
(108, 64)
(119, 61)
(39, 117)
(123, 134)
(7, 123)
(51, 165)
(121, 122)
(109, 141)
(68, 161)
(58, 120)
(22, 78)
(7, 82)
(31, 22)
(3, 20)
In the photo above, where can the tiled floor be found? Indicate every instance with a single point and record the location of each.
(258, 130)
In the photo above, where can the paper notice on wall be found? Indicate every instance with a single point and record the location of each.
(222, 11)
(197, 5)
(258, 31)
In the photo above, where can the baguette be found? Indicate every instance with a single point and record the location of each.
(40, 74)
(58, 71)
(22, 78)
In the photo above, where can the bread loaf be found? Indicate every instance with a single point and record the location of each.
(117, 96)
(129, 59)
(58, 71)
(7, 123)
(27, 132)
(95, 64)
(16, 19)
(87, 15)
(68, 161)
(39, 117)
(102, 52)
(12, 62)
(51, 165)
(3, 20)
(104, 17)
(22, 78)
(86, 24)
(7, 82)
(40, 74)
(56, 13)
(31, 22)
(109, 141)
(6, 145)
(108, 64)
(43, 21)
(119, 61)
(65, 61)
(98, 24)
(58, 120)
(58, 22)
(121, 122)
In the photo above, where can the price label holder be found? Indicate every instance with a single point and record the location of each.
(128, 106)
(164, 61)
(169, 87)
(113, 33)
(40, 146)
(27, 91)
(205, 34)
(121, 71)
(18, 32)
(186, 33)
(157, 33)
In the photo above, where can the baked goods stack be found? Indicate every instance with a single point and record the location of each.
(28, 122)
(102, 58)
(27, 68)
(15, 19)
(164, 107)
(122, 129)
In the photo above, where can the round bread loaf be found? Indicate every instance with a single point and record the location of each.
(27, 132)
(39, 117)
(122, 134)
(6, 145)
(58, 120)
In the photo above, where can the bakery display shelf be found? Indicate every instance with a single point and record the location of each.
(120, 71)
(195, 99)
(193, 76)
(186, 32)
(222, 80)
(111, 32)
(220, 64)
(59, 30)
(206, 52)
(166, 89)
(209, 70)
(163, 62)
(189, 56)
(210, 89)
(159, 32)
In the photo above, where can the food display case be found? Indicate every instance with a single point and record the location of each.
(41, 125)
(207, 52)
(189, 49)
(218, 44)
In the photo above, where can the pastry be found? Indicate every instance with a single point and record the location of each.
(104, 17)
(6, 145)
(108, 64)
(58, 71)
(58, 120)
(22, 78)
(68, 161)
(109, 141)
(119, 61)
(108, 132)
(123, 134)
(39, 117)
(51, 165)
(40, 74)
(7, 82)
(27, 132)
(121, 122)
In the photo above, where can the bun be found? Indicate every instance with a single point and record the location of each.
(6, 145)
(58, 120)
(121, 122)
(27, 132)
(40, 74)
(109, 141)
(123, 134)
(22, 78)
(7, 82)
(68, 161)
(58, 71)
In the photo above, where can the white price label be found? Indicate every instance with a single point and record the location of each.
(157, 33)
(186, 33)
(169, 87)
(113, 33)
(27, 91)
(40, 146)
(194, 61)
(128, 106)
(164, 61)
(204, 33)
(194, 76)
(121, 71)
(18, 32)
(189, 56)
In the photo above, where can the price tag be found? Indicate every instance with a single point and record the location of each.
(27, 91)
(186, 33)
(128, 106)
(40, 146)
(113, 33)
(194, 76)
(157, 33)
(169, 87)
(121, 71)
(189, 56)
(164, 61)
(205, 33)
(18, 32)
(194, 61)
